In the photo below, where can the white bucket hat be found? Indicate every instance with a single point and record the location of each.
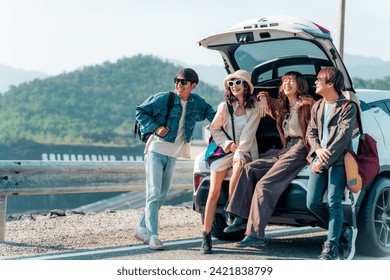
(240, 75)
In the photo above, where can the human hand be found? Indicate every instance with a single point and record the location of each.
(261, 95)
(162, 131)
(317, 167)
(323, 155)
(232, 147)
(263, 104)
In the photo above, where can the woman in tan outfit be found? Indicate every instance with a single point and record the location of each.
(243, 148)
(262, 182)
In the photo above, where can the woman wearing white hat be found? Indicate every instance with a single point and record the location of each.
(243, 148)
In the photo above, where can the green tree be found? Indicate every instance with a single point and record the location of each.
(95, 104)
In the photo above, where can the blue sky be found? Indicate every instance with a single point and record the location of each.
(55, 36)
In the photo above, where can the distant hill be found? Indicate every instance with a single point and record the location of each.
(210, 74)
(93, 105)
(366, 68)
(10, 76)
(96, 104)
(358, 67)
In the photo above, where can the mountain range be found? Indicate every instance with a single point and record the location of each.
(366, 68)
(10, 76)
(92, 105)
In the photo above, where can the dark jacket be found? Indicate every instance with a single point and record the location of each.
(341, 124)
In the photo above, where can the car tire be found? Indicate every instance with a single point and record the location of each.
(217, 230)
(373, 221)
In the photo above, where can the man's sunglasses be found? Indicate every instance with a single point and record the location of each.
(236, 82)
(180, 81)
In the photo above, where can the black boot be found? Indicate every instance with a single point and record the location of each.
(206, 243)
(229, 217)
(238, 224)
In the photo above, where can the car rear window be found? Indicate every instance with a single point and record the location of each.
(248, 56)
(304, 69)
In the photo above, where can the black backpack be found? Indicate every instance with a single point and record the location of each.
(137, 126)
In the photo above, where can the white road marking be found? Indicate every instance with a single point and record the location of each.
(283, 231)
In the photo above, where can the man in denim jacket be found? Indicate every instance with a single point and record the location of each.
(167, 144)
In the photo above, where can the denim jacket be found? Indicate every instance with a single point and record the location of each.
(152, 112)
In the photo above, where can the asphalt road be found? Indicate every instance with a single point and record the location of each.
(284, 243)
(286, 256)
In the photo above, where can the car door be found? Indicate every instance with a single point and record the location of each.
(381, 112)
(263, 42)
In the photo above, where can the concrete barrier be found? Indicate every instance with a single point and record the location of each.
(61, 177)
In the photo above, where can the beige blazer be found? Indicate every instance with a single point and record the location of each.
(247, 141)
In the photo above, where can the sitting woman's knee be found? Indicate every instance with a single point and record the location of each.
(239, 164)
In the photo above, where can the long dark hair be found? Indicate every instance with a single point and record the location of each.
(249, 100)
(302, 88)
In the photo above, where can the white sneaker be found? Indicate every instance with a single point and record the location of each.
(347, 242)
(353, 249)
(141, 234)
(155, 243)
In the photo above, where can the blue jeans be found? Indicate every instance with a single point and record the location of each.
(159, 175)
(332, 215)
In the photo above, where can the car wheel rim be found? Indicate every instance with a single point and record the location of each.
(382, 218)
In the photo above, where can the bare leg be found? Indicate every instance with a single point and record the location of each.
(216, 179)
(237, 168)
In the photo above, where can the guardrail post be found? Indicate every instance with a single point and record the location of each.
(3, 216)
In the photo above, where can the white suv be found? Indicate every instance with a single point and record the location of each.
(267, 48)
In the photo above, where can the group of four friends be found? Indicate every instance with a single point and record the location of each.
(315, 133)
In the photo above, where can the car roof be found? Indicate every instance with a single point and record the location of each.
(372, 95)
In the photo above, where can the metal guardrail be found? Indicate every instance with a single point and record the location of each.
(45, 177)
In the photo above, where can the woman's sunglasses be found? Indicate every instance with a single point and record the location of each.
(236, 82)
(180, 81)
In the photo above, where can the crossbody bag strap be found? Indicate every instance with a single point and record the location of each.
(170, 103)
(231, 112)
(232, 118)
(357, 115)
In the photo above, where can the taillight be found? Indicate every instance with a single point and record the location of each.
(322, 28)
(198, 177)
